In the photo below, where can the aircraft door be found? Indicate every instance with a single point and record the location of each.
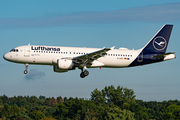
(27, 51)
(140, 57)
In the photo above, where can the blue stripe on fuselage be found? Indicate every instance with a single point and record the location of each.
(145, 58)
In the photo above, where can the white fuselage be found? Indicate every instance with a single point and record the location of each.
(47, 55)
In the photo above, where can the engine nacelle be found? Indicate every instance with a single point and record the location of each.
(65, 64)
(56, 69)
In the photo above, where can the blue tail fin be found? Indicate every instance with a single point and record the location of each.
(159, 43)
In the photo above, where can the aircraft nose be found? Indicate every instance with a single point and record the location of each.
(5, 56)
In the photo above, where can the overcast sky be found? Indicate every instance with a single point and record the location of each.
(82, 23)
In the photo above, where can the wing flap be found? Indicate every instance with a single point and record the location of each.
(90, 57)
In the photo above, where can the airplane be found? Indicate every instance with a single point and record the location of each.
(64, 59)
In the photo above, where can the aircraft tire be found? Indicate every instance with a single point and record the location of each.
(25, 72)
(86, 73)
(82, 75)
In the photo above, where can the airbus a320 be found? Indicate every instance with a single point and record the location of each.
(64, 59)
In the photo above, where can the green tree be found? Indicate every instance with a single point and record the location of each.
(36, 115)
(6, 111)
(15, 110)
(4, 99)
(120, 96)
(172, 112)
(115, 113)
(98, 96)
(33, 99)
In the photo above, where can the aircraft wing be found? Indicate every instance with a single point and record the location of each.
(90, 57)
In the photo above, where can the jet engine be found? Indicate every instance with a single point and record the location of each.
(56, 69)
(65, 64)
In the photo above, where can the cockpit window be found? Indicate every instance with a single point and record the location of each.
(14, 50)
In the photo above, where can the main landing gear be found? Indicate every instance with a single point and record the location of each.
(26, 66)
(84, 73)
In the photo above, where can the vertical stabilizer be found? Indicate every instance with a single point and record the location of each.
(159, 43)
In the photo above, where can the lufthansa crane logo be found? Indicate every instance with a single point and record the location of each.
(159, 43)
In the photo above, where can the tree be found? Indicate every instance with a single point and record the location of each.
(5, 99)
(115, 113)
(48, 118)
(36, 115)
(172, 112)
(98, 96)
(33, 99)
(6, 111)
(121, 97)
(53, 102)
(42, 97)
(15, 110)
(59, 100)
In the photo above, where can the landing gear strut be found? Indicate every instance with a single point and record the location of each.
(26, 66)
(84, 73)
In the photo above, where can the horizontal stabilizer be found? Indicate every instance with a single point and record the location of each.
(163, 55)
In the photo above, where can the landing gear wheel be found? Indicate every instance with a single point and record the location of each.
(82, 75)
(86, 73)
(26, 66)
(25, 72)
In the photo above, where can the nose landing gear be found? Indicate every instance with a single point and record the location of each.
(26, 66)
